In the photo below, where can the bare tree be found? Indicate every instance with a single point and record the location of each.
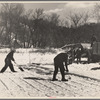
(53, 18)
(10, 18)
(75, 18)
(78, 18)
(86, 17)
(38, 14)
(35, 26)
(27, 27)
(96, 12)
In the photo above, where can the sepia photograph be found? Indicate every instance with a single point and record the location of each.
(50, 49)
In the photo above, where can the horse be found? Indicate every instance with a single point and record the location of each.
(82, 52)
(77, 52)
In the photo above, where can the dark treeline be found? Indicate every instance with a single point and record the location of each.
(35, 28)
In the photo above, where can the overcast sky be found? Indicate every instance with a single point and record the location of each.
(54, 7)
(62, 8)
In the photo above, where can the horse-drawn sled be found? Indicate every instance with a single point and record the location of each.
(84, 50)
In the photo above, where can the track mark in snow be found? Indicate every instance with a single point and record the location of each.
(56, 87)
(80, 88)
(82, 76)
(32, 90)
(33, 85)
(4, 90)
(20, 87)
(44, 87)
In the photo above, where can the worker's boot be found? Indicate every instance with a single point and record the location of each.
(64, 80)
(55, 79)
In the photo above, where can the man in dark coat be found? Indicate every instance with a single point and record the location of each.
(8, 62)
(59, 61)
(93, 39)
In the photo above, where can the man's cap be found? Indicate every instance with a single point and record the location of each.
(12, 49)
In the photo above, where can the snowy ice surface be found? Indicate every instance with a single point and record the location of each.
(24, 57)
(76, 87)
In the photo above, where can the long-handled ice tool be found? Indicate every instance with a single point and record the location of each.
(19, 67)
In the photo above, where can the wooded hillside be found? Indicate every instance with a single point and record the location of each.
(37, 29)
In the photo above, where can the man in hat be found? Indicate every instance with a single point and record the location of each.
(93, 39)
(8, 62)
(59, 61)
